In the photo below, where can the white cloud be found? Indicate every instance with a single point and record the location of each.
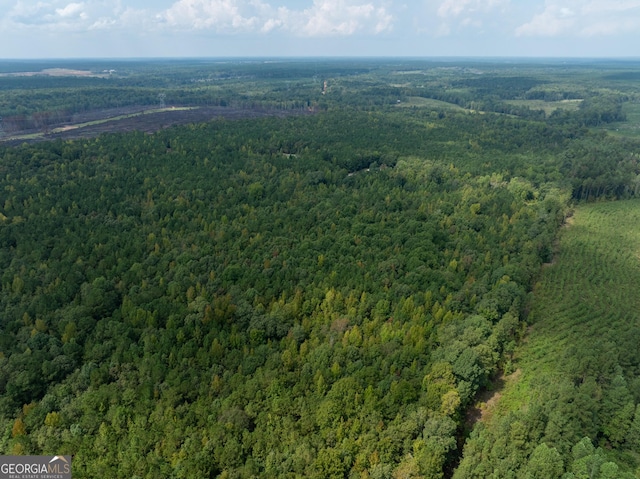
(71, 10)
(583, 18)
(271, 24)
(27, 13)
(323, 17)
(62, 16)
(554, 20)
(104, 23)
(315, 18)
(327, 17)
(457, 8)
(448, 16)
(122, 19)
(208, 14)
(611, 6)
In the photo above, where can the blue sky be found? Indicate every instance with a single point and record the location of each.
(218, 28)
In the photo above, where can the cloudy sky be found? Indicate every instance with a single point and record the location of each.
(220, 28)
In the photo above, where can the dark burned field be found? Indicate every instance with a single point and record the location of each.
(145, 119)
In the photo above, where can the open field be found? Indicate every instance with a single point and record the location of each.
(420, 102)
(119, 117)
(547, 106)
(629, 128)
(57, 72)
(134, 119)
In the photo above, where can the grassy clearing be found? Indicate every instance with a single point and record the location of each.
(31, 136)
(587, 305)
(120, 117)
(547, 106)
(629, 128)
(420, 102)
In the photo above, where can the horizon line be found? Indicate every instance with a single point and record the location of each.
(328, 57)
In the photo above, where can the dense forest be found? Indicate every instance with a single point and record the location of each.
(318, 295)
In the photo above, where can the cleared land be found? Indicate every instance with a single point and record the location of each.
(547, 106)
(57, 72)
(119, 117)
(629, 128)
(144, 119)
(420, 102)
